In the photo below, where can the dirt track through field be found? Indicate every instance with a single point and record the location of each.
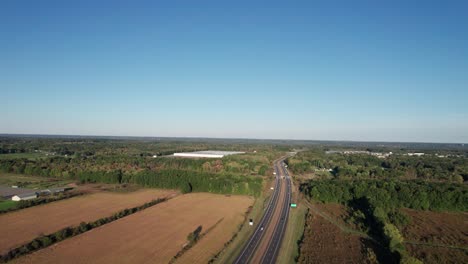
(19, 227)
(154, 235)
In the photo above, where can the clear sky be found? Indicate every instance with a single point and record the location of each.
(326, 70)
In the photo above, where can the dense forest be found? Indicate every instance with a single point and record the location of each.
(391, 194)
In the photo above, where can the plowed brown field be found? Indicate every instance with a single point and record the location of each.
(17, 228)
(154, 235)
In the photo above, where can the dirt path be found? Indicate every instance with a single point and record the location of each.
(436, 245)
(336, 223)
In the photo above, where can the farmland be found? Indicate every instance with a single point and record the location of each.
(157, 233)
(22, 226)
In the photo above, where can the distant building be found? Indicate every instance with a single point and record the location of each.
(416, 154)
(207, 154)
(381, 155)
(24, 197)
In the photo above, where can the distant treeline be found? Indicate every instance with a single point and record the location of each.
(188, 175)
(391, 194)
(363, 166)
(57, 166)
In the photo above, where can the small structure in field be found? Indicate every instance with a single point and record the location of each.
(207, 154)
(24, 197)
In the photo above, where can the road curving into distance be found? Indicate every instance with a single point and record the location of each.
(264, 244)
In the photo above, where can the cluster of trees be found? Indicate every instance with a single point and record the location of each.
(383, 225)
(391, 194)
(363, 166)
(192, 239)
(375, 205)
(194, 236)
(47, 240)
(115, 176)
(192, 181)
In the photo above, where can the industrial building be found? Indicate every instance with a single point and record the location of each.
(8, 192)
(207, 154)
(24, 196)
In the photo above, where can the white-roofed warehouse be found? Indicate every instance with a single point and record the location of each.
(207, 154)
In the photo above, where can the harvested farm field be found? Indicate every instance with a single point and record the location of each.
(437, 237)
(22, 226)
(156, 234)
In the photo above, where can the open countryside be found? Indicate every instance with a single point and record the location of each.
(349, 205)
(234, 132)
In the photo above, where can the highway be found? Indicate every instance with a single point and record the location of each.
(264, 244)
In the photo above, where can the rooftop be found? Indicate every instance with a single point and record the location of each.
(7, 192)
(207, 153)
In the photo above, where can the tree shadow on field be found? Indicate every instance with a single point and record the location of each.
(381, 254)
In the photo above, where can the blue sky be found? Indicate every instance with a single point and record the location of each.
(330, 70)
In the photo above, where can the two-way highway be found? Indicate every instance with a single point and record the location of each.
(264, 244)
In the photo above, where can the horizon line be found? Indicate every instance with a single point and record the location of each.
(230, 138)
